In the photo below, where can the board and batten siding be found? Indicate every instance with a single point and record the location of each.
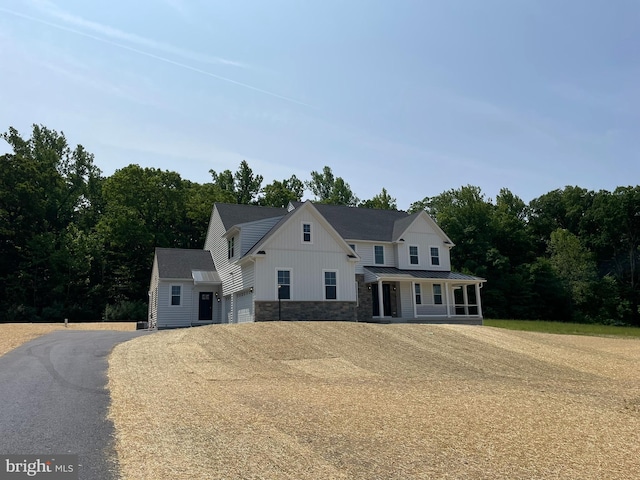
(307, 262)
(421, 234)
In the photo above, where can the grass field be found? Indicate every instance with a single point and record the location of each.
(309, 400)
(564, 328)
(13, 335)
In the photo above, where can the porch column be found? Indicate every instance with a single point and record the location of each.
(380, 299)
(465, 296)
(478, 300)
(446, 296)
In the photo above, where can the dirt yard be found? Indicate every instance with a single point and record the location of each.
(13, 335)
(363, 401)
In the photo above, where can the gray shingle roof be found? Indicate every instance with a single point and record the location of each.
(427, 274)
(365, 223)
(234, 214)
(179, 262)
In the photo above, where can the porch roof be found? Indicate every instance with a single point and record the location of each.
(397, 273)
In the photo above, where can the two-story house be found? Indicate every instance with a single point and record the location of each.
(313, 262)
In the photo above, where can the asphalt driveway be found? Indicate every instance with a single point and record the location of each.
(53, 399)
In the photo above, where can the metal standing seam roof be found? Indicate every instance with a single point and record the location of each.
(426, 274)
(181, 262)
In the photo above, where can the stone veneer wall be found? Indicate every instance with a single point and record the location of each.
(266, 311)
(365, 300)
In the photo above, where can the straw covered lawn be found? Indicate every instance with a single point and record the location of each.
(13, 335)
(362, 401)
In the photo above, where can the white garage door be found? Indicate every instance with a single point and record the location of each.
(244, 306)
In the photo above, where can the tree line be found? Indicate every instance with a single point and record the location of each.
(76, 244)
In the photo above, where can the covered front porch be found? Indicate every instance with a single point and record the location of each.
(422, 296)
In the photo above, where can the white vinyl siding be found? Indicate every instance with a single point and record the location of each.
(422, 235)
(284, 250)
(174, 315)
(254, 231)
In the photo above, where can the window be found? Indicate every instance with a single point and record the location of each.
(435, 256)
(330, 285)
(306, 232)
(413, 255)
(284, 284)
(378, 253)
(437, 294)
(231, 247)
(176, 290)
(418, 294)
(353, 246)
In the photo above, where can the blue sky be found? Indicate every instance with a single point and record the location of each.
(415, 96)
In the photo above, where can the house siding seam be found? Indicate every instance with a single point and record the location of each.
(267, 311)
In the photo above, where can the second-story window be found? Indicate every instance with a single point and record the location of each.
(413, 255)
(435, 256)
(231, 247)
(306, 232)
(378, 253)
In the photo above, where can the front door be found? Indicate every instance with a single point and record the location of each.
(205, 306)
(386, 299)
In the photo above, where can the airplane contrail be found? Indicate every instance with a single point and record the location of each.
(154, 56)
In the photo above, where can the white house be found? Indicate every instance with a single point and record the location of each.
(315, 262)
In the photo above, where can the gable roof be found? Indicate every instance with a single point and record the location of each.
(300, 205)
(180, 262)
(364, 223)
(234, 214)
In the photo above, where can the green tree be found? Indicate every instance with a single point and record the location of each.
(575, 265)
(280, 193)
(144, 208)
(243, 185)
(381, 201)
(330, 189)
(46, 190)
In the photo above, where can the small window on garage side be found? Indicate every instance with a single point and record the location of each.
(330, 285)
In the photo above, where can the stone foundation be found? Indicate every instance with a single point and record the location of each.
(267, 311)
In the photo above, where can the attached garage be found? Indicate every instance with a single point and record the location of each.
(244, 306)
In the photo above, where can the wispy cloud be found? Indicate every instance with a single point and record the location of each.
(98, 29)
(51, 9)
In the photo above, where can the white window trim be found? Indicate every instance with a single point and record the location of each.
(415, 284)
(431, 256)
(324, 285)
(433, 291)
(302, 224)
(417, 254)
(171, 295)
(290, 270)
(383, 255)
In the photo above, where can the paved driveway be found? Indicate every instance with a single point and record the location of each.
(53, 399)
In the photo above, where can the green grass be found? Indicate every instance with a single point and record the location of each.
(564, 328)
